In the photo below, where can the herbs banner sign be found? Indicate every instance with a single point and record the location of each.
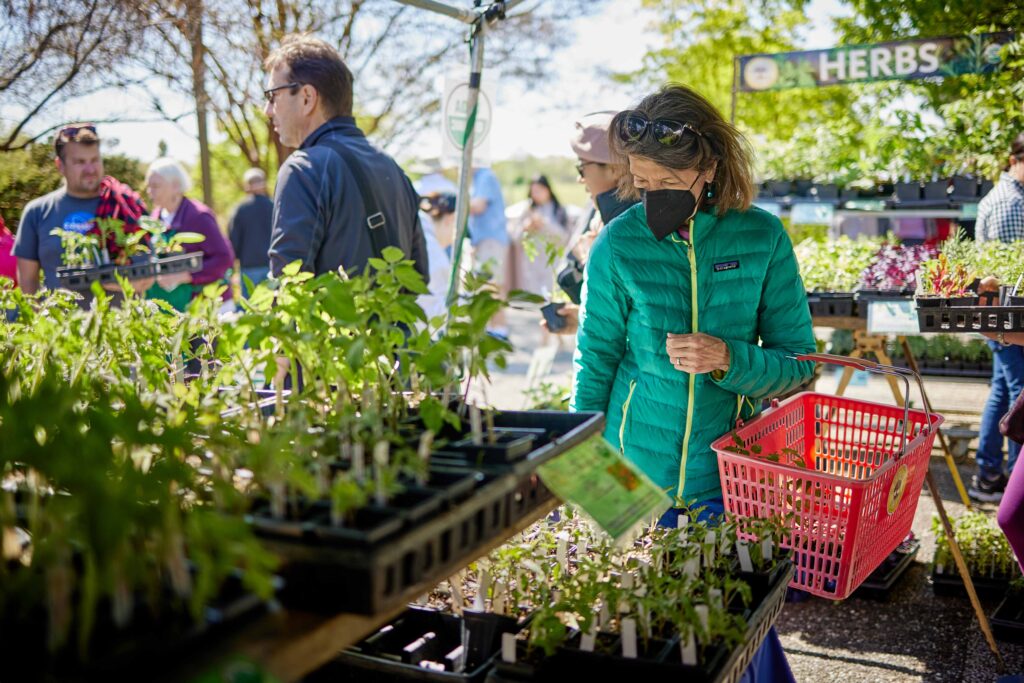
(906, 59)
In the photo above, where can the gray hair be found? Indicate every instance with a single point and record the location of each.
(254, 176)
(171, 171)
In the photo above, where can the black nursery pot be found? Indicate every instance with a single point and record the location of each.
(959, 301)
(928, 301)
(482, 631)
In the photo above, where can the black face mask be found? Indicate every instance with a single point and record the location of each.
(669, 210)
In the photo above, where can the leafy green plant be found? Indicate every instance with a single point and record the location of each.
(79, 249)
(985, 549)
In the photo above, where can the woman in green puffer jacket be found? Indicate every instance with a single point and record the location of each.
(693, 307)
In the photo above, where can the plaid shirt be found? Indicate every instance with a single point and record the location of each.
(1001, 212)
(118, 200)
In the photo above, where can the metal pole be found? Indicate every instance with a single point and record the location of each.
(463, 15)
(476, 56)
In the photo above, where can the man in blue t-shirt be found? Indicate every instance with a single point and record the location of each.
(488, 236)
(72, 206)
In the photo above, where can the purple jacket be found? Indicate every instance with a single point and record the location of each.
(218, 256)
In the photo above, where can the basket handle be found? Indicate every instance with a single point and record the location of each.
(879, 369)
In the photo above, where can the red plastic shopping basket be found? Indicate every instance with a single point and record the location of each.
(847, 478)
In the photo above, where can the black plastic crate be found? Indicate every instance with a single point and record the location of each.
(970, 319)
(82, 277)
(832, 304)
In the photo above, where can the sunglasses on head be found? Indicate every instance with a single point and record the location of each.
(71, 133)
(667, 132)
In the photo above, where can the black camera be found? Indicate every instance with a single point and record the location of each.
(438, 204)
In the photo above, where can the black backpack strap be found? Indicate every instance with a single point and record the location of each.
(375, 220)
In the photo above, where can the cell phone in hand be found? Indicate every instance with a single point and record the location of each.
(554, 320)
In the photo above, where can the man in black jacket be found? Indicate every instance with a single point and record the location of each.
(339, 200)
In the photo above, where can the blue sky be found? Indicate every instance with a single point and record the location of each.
(536, 121)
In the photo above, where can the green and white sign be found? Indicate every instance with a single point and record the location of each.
(596, 478)
(905, 59)
(455, 115)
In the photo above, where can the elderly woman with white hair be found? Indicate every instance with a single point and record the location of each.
(166, 184)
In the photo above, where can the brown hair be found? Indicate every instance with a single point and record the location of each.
(311, 61)
(1016, 150)
(719, 142)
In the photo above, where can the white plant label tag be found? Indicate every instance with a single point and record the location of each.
(498, 601)
(715, 594)
(476, 426)
(480, 602)
(744, 554)
(426, 443)
(688, 650)
(562, 553)
(629, 638)
(766, 549)
(603, 616)
(682, 521)
(359, 461)
(709, 549)
(691, 567)
(508, 648)
(587, 641)
(381, 453)
(702, 616)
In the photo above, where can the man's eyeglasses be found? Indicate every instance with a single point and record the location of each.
(667, 132)
(271, 93)
(583, 164)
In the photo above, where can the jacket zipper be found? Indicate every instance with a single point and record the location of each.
(692, 255)
(625, 411)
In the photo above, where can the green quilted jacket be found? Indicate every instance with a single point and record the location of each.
(742, 287)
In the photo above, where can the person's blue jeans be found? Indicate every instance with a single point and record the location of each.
(1007, 381)
(257, 275)
(769, 664)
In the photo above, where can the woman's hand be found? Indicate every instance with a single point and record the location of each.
(172, 280)
(697, 354)
(571, 313)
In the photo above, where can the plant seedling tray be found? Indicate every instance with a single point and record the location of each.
(866, 296)
(82, 277)
(154, 638)
(832, 304)
(465, 647)
(1008, 619)
(721, 666)
(892, 569)
(188, 262)
(969, 319)
(950, 584)
(325, 570)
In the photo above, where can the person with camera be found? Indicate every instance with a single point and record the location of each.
(437, 216)
(602, 180)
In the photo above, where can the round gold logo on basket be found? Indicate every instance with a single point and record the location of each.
(898, 488)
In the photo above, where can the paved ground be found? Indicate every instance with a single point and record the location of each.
(914, 635)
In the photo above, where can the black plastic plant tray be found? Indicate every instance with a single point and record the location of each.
(867, 296)
(950, 584)
(970, 319)
(82, 277)
(394, 652)
(892, 569)
(508, 446)
(721, 666)
(1008, 619)
(337, 574)
(189, 262)
(331, 573)
(831, 304)
(151, 640)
